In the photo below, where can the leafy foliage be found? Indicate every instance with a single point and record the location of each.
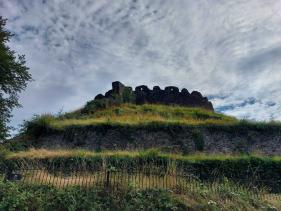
(19, 143)
(128, 96)
(226, 196)
(15, 196)
(37, 125)
(13, 79)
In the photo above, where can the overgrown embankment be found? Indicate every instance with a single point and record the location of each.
(169, 128)
(257, 171)
(233, 139)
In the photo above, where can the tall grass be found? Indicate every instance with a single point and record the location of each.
(129, 114)
(47, 153)
(150, 116)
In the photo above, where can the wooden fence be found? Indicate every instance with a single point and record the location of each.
(119, 179)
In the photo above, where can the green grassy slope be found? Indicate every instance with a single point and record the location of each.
(129, 114)
(161, 117)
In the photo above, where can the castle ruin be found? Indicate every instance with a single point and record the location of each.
(143, 95)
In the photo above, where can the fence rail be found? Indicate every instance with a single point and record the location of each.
(140, 179)
(120, 179)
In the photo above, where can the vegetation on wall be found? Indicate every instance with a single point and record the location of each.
(198, 139)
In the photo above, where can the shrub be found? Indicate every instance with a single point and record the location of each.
(3, 152)
(93, 106)
(37, 125)
(20, 143)
(201, 115)
(198, 139)
(128, 96)
(118, 111)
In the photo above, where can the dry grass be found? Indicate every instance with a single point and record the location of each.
(45, 153)
(68, 153)
(139, 180)
(274, 200)
(116, 179)
(129, 114)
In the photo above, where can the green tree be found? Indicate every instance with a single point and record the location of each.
(13, 79)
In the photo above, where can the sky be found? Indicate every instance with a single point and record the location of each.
(229, 50)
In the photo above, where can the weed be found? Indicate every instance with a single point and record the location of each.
(198, 139)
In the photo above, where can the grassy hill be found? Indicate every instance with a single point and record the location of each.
(130, 114)
(219, 181)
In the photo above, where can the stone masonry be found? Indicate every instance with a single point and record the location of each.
(171, 95)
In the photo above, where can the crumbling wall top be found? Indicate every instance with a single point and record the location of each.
(169, 96)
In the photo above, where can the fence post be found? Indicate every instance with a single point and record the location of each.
(107, 178)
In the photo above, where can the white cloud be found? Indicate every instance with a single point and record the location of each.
(221, 48)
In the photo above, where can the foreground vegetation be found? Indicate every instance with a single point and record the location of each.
(20, 196)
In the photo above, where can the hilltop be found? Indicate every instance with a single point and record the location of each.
(124, 106)
(170, 128)
(123, 119)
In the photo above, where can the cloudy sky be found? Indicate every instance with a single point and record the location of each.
(228, 50)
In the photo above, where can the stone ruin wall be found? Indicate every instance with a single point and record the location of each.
(169, 96)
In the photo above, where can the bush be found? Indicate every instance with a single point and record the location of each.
(128, 96)
(3, 152)
(21, 143)
(93, 106)
(37, 125)
(198, 139)
(201, 115)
